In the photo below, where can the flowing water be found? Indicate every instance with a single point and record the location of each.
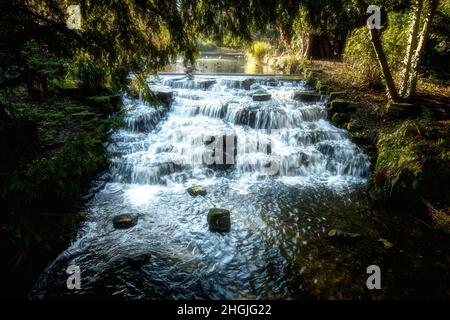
(294, 177)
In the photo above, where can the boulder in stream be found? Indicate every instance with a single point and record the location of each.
(219, 220)
(124, 221)
(197, 191)
(246, 83)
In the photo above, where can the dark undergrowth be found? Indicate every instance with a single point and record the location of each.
(51, 149)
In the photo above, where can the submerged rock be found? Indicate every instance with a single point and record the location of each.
(262, 97)
(124, 221)
(137, 262)
(206, 83)
(197, 191)
(340, 234)
(219, 220)
(247, 83)
(255, 86)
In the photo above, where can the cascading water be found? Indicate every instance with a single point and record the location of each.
(293, 176)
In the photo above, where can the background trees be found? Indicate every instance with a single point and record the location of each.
(422, 15)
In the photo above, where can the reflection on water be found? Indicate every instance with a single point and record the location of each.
(221, 62)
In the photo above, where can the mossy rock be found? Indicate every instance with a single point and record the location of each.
(339, 119)
(124, 221)
(306, 96)
(311, 78)
(337, 95)
(341, 106)
(402, 110)
(197, 191)
(219, 220)
(247, 83)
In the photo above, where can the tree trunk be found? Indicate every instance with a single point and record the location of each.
(36, 84)
(392, 92)
(305, 45)
(412, 45)
(317, 47)
(411, 86)
(285, 38)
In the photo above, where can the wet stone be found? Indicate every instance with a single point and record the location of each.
(124, 221)
(219, 220)
(262, 97)
(197, 191)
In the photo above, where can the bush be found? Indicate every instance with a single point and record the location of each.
(207, 45)
(259, 51)
(92, 74)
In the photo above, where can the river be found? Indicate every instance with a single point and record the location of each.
(284, 199)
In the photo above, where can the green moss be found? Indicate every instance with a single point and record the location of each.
(107, 103)
(219, 220)
(412, 164)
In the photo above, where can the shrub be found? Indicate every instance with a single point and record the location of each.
(259, 50)
(207, 45)
(92, 74)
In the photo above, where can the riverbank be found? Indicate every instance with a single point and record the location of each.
(414, 243)
(52, 149)
(416, 168)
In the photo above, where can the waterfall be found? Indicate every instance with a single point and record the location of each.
(302, 142)
(282, 169)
